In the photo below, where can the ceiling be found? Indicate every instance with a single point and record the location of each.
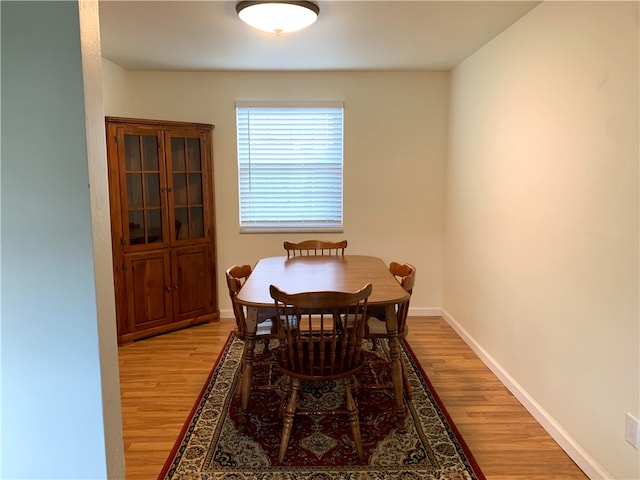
(349, 35)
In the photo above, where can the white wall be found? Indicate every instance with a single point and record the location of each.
(394, 151)
(116, 91)
(54, 406)
(541, 221)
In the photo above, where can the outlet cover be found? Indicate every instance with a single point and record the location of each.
(632, 431)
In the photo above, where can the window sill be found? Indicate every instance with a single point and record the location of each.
(291, 230)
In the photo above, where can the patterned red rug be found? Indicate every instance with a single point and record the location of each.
(211, 447)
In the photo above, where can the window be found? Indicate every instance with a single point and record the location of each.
(290, 166)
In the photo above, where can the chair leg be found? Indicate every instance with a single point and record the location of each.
(354, 421)
(405, 381)
(238, 392)
(286, 390)
(287, 424)
(356, 386)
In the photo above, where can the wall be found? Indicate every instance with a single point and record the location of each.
(53, 409)
(116, 91)
(101, 233)
(541, 221)
(394, 151)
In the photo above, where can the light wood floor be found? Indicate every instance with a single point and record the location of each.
(161, 377)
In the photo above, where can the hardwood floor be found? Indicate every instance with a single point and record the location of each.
(161, 377)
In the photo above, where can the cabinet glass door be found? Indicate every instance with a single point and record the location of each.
(143, 187)
(187, 187)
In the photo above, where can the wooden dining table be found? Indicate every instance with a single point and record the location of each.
(347, 273)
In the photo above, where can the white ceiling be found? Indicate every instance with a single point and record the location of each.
(349, 35)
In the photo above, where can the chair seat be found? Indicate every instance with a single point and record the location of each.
(266, 328)
(269, 327)
(375, 326)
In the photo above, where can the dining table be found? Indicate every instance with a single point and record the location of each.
(344, 273)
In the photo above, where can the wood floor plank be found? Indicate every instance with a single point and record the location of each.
(161, 378)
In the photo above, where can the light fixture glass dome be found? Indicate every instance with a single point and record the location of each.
(278, 17)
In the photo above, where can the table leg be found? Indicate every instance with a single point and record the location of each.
(396, 366)
(247, 367)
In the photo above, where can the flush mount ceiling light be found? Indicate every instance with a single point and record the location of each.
(279, 16)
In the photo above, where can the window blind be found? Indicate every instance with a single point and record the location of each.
(290, 167)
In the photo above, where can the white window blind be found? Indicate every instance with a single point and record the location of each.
(290, 166)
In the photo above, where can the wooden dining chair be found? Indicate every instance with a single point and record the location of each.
(315, 247)
(376, 326)
(266, 328)
(320, 349)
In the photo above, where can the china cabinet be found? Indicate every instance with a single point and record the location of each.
(162, 225)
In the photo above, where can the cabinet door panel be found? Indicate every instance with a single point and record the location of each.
(189, 200)
(148, 286)
(193, 278)
(144, 182)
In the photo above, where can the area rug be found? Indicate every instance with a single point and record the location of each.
(210, 445)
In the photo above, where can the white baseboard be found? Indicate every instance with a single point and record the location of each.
(413, 312)
(585, 461)
(425, 311)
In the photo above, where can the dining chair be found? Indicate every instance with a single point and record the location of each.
(315, 247)
(376, 326)
(319, 349)
(266, 328)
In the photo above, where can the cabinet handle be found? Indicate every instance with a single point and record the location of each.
(175, 285)
(168, 288)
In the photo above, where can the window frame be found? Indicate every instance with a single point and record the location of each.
(321, 165)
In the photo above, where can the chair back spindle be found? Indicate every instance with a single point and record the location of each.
(315, 247)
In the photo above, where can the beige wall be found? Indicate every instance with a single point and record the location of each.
(116, 89)
(394, 151)
(101, 234)
(541, 221)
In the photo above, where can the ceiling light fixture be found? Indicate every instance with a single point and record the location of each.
(278, 16)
